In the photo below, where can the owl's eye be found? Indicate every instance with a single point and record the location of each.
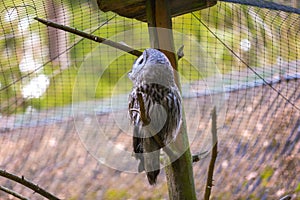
(141, 61)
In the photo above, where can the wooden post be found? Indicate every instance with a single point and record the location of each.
(180, 172)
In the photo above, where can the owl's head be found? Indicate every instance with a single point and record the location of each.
(152, 67)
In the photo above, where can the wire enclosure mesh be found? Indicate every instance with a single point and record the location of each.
(63, 100)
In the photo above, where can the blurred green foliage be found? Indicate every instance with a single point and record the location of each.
(271, 34)
(114, 194)
(298, 188)
(266, 174)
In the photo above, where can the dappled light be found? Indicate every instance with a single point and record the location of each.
(64, 120)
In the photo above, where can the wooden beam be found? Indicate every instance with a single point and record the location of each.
(137, 8)
(180, 172)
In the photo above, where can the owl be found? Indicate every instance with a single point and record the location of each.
(156, 98)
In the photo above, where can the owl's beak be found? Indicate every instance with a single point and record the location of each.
(129, 74)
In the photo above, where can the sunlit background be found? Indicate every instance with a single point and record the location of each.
(56, 86)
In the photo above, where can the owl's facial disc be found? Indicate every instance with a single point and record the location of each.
(138, 65)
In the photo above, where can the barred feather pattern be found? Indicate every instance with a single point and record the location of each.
(169, 101)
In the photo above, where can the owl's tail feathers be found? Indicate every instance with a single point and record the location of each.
(149, 162)
(152, 169)
(152, 177)
(147, 151)
(151, 159)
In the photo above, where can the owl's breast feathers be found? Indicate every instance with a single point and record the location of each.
(167, 97)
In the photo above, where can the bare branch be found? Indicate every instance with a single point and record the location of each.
(286, 197)
(180, 53)
(197, 157)
(145, 119)
(209, 181)
(11, 192)
(90, 36)
(98, 39)
(28, 184)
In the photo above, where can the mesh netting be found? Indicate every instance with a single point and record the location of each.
(63, 99)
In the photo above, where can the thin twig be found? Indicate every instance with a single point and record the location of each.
(90, 36)
(28, 184)
(180, 52)
(209, 181)
(11, 192)
(286, 197)
(145, 119)
(198, 156)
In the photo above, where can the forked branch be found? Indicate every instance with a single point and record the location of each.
(13, 193)
(28, 184)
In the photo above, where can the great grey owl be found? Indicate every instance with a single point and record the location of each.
(156, 97)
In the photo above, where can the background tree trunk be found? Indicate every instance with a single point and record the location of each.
(58, 39)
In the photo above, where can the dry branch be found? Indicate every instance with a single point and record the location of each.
(90, 36)
(145, 119)
(197, 157)
(13, 193)
(98, 39)
(209, 181)
(28, 184)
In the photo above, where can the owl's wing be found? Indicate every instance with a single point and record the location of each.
(145, 147)
(166, 115)
(137, 138)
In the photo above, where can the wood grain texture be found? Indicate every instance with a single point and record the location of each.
(137, 8)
